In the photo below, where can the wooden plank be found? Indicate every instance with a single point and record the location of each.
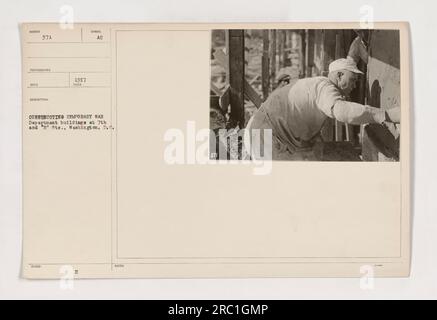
(303, 52)
(236, 76)
(265, 72)
(251, 94)
(280, 49)
(272, 56)
(307, 69)
(254, 79)
(225, 99)
(284, 46)
(339, 51)
(309, 52)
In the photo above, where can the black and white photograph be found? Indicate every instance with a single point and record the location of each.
(305, 95)
(312, 178)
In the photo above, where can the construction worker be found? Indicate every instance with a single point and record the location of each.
(297, 112)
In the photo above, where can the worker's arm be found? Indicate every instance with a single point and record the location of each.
(355, 113)
(333, 104)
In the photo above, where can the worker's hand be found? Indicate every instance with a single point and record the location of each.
(393, 115)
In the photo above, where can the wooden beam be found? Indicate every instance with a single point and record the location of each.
(309, 54)
(254, 79)
(284, 46)
(303, 52)
(236, 76)
(272, 56)
(280, 49)
(339, 48)
(225, 100)
(328, 130)
(323, 59)
(251, 94)
(265, 72)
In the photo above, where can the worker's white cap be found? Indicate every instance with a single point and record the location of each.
(344, 64)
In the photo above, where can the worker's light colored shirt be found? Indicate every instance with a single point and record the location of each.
(297, 112)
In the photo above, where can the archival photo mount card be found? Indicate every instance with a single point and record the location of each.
(215, 150)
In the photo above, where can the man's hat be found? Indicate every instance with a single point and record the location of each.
(344, 64)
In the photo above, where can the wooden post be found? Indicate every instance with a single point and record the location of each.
(303, 52)
(287, 50)
(236, 76)
(272, 57)
(309, 52)
(265, 74)
(339, 48)
(307, 69)
(290, 35)
(283, 53)
(328, 131)
(280, 47)
(323, 56)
